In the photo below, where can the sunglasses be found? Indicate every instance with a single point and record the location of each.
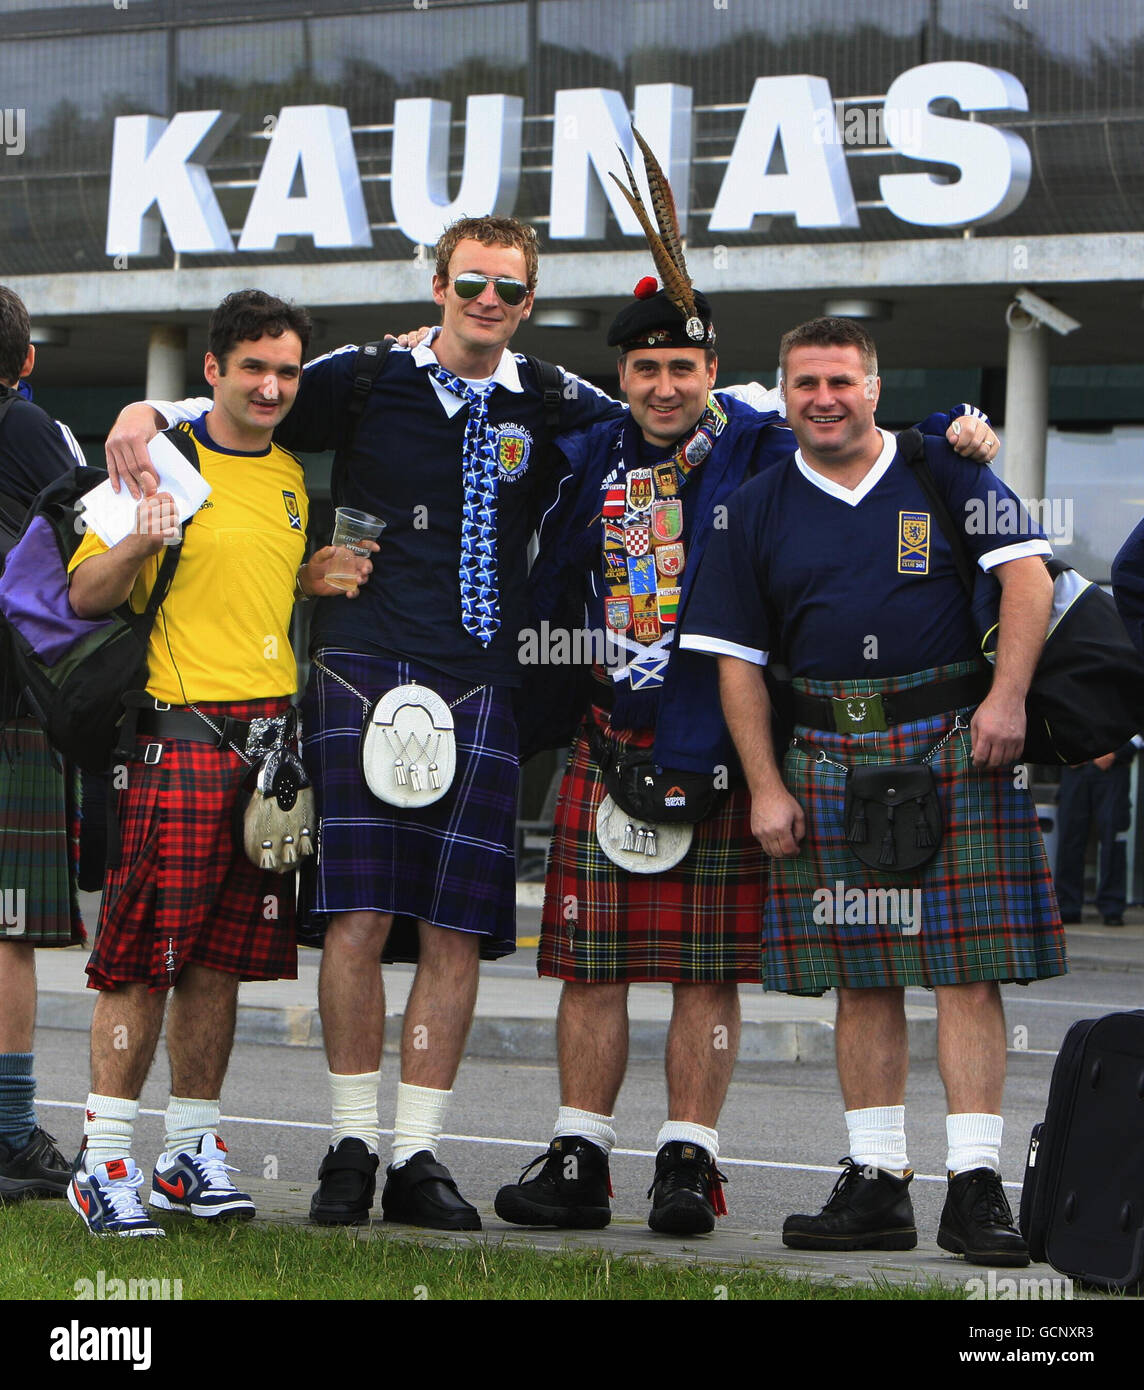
(472, 283)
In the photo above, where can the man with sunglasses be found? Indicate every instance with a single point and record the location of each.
(450, 451)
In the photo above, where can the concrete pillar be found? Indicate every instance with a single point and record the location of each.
(1026, 405)
(167, 362)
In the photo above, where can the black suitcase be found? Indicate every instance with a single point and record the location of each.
(1082, 1203)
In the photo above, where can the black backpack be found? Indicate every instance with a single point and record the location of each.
(1087, 693)
(73, 672)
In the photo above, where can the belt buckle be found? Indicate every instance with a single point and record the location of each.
(859, 714)
(152, 753)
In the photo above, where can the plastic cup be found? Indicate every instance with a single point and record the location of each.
(351, 530)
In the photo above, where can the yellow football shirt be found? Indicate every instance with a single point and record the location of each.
(223, 632)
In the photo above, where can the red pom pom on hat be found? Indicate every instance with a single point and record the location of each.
(648, 286)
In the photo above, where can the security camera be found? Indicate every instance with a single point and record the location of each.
(1045, 313)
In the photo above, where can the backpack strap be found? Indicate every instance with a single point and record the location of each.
(184, 441)
(552, 385)
(367, 367)
(912, 451)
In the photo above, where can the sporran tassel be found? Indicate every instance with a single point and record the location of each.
(629, 837)
(651, 849)
(289, 854)
(399, 775)
(267, 861)
(415, 777)
(434, 776)
(889, 853)
(858, 829)
(305, 842)
(923, 831)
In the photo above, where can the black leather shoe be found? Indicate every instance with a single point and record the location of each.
(977, 1222)
(571, 1190)
(422, 1193)
(687, 1193)
(36, 1170)
(868, 1210)
(348, 1180)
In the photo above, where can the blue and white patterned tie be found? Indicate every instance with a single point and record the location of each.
(480, 611)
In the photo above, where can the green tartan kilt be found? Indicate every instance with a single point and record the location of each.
(37, 884)
(982, 909)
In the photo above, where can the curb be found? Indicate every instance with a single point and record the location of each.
(510, 1039)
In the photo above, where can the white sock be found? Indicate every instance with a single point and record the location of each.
(878, 1138)
(187, 1120)
(354, 1108)
(974, 1142)
(419, 1120)
(684, 1132)
(586, 1125)
(108, 1127)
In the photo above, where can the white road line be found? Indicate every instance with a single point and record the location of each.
(524, 1143)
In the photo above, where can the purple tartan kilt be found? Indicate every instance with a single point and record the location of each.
(987, 910)
(452, 863)
(700, 922)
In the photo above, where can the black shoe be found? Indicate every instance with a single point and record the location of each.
(348, 1178)
(687, 1193)
(868, 1210)
(422, 1193)
(571, 1190)
(976, 1221)
(1114, 919)
(36, 1170)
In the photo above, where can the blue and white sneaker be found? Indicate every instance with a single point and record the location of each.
(108, 1199)
(197, 1184)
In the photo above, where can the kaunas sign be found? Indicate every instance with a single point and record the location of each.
(309, 185)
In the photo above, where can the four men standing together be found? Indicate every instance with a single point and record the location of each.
(640, 529)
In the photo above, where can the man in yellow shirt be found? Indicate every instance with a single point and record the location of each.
(185, 911)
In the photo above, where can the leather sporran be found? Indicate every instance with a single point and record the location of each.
(893, 815)
(408, 747)
(279, 819)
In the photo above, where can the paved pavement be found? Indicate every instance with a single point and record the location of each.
(515, 1024)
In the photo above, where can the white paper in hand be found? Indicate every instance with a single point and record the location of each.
(111, 515)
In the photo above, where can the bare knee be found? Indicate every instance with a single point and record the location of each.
(866, 1003)
(359, 933)
(978, 995)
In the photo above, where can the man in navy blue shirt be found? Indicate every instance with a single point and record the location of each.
(835, 563)
(38, 905)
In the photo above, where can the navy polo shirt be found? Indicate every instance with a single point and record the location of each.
(852, 585)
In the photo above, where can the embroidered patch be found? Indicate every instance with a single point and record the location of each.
(514, 448)
(292, 512)
(913, 542)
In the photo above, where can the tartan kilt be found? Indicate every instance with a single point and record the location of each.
(453, 863)
(184, 892)
(986, 905)
(38, 901)
(700, 922)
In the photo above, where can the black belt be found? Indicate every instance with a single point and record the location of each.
(186, 724)
(900, 707)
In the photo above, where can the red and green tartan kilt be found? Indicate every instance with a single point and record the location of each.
(185, 892)
(38, 903)
(700, 922)
(986, 906)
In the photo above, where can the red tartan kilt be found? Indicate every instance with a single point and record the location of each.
(700, 922)
(185, 892)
